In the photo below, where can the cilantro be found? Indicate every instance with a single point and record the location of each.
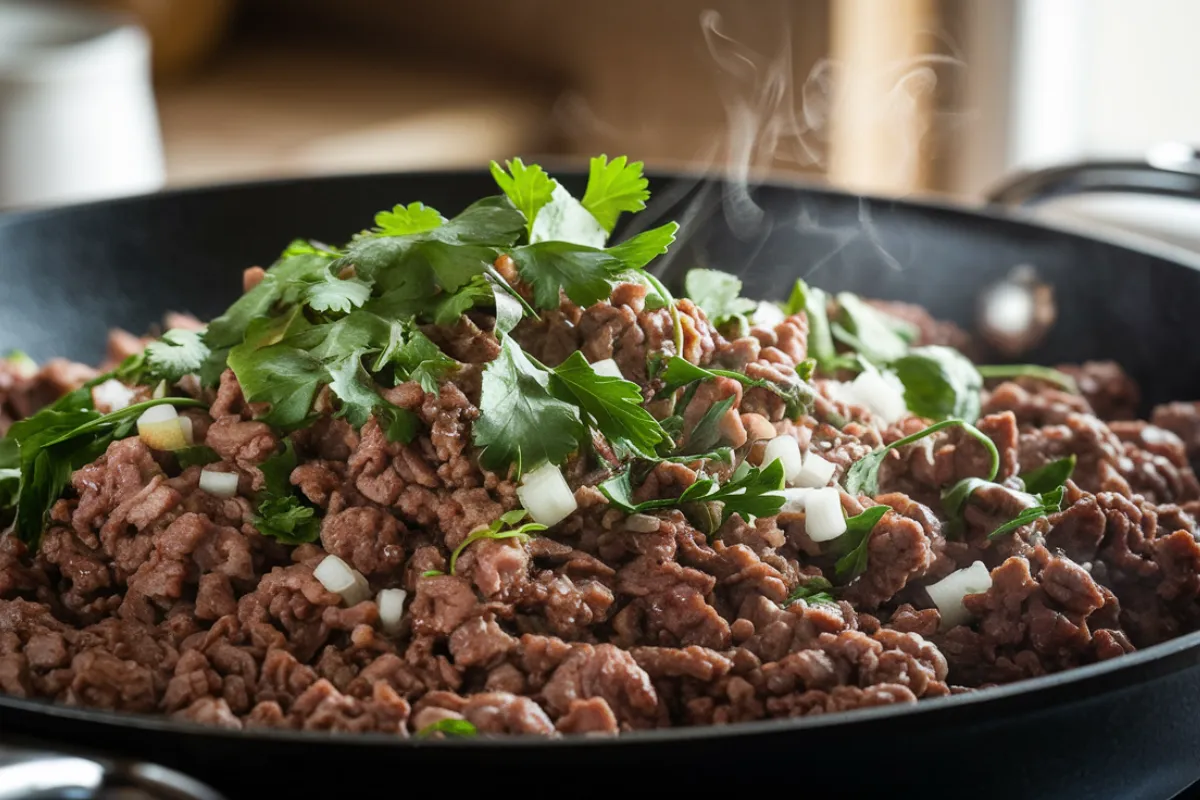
(853, 544)
(614, 405)
(529, 188)
(1048, 374)
(754, 494)
(797, 395)
(196, 455)
(640, 250)
(415, 357)
(287, 377)
(868, 330)
(614, 186)
(566, 221)
(717, 294)
(707, 431)
(493, 531)
(448, 727)
(179, 352)
(521, 422)
(863, 475)
(1049, 476)
(280, 514)
(354, 387)
(552, 268)
(813, 590)
(939, 383)
(432, 573)
(48, 447)
(1045, 505)
(337, 294)
(955, 498)
(407, 220)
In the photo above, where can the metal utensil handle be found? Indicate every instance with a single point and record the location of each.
(1168, 170)
(36, 774)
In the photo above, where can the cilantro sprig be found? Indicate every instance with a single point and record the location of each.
(280, 514)
(812, 591)
(1045, 490)
(498, 530)
(863, 475)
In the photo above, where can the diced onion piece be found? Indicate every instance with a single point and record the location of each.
(391, 608)
(160, 391)
(794, 500)
(219, 484)
(882, 397)
(111, 395)
(545, 495)
(816, 472)
(767, 314)
(337, 576)
(159, 428)
(786, 450)
(641, 523)
(823, 517)
(189, 435)
(948, 593)
(608, 368)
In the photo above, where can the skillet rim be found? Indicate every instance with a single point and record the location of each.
(1047, 685)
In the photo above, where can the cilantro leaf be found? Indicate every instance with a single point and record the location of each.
(280, 514)
(196, 456)
(521, 422)
(707, 431)
(1047, 504)
(415, 357)
(337, 294)
(493, 531)
(812, 590)
(613, 187)
(1060, 379)
(614, 405)
(638, 251)
(815, 304)
(406, 220)
(680, 372)
(177, 353)
(717, 294)
(1050, 476)
(868, 330)
(583, 273)
(448, 727)
(940, 382)
(863, 475)
(853, 544)
(287, 377)
(529, 188)
(354, 388)
(753, 494)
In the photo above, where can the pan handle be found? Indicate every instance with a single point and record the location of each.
(1171, 169)
(31, 774)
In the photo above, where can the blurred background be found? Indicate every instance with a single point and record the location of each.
(889, 96)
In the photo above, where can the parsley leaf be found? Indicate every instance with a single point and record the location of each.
(493, 531)
(1048, 374)
(337, 294)
(614, 186)
(613, 404)
(448, 727)
(717, 294)
(529, 188)
(811, 590)
(177, 353)
(863, 475)
(521, 422)
(406, 220)
(940, 382)
(853, 544)
(753, 494)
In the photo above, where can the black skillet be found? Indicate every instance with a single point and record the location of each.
(1127, 728)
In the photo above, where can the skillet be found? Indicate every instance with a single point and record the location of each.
(1123, 728)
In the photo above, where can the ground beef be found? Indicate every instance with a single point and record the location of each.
(147, 594)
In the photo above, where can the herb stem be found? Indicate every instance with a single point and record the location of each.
(124, 413)
(676, 324)
(966, 426)
(495, 275)
(1048, 374)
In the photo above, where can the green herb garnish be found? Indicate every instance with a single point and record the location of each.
(863, 475)
(811, 590)
(1048, 374)
(853, 544)
(448, 727)
(939, 383)
(280, 514)
(522, 533)
(718, 295)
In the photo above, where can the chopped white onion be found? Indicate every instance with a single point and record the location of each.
(786, 450)
(160, 391)
(767, 314)
(641, 523)
(823, 517)
(948, 593)
(608, 368)
(189, 434)
(794, 500)
(219, 484)
(338, 577)
(391, 608)
(882, 397)
(816, 472)
(111, 395)
(159, 428)
(545, 495)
